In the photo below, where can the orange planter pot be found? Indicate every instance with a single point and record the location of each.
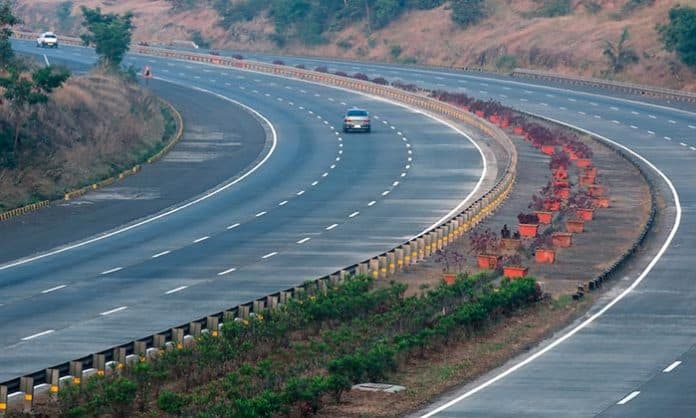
(562, 239)
(504, 123)
(544, 217)
(449, 278)
(572, 156)
(548, 149)
(595, 190)
(479, 113)
(563, 193)
(545, 256)
(466, 108)
(517, 130)
(552, 205)
(490, 262)
(515, 272)
(576, 226)
(561, 183)
(528, 230)
(583, 162)
(586, 180)
(601, 202)
(494, 119)
(510, 244)
(585, 214)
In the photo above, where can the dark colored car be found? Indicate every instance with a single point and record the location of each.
(356, 120)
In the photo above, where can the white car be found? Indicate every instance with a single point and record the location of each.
(47, 40)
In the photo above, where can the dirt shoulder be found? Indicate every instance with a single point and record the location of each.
(611, 232)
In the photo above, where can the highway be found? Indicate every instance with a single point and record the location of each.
(633, 355)
(312, 201)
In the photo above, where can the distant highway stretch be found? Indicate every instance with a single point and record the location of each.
(635, 358)
(310, 201)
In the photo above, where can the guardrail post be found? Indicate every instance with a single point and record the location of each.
(53, 379)
(243, 312)
(211, 324)
(76, 372)
(421, 249)
(195, 329)
(26, 386)
(272, 302)
(408, 254)
(383, 266)
(120, 358)
(344, 274)
(399, 258)
(363, 268)
(158, 341)
(391, 263)
(428, 245)
(99, 363)
(140, 349)
(3, 400)
(178, 337)
(284, 297)
(374, 268)
(258, 306)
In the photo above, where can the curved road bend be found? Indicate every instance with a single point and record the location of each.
(637, 358)
(321, 200)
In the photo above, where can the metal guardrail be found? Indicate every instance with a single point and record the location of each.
(381, 266)
(630, 88)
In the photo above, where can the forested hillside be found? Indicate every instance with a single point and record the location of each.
(619, 39)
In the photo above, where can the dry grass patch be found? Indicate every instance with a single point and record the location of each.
(92, 128)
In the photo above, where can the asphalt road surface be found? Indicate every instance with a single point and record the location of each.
(634, 359)
(309, 201)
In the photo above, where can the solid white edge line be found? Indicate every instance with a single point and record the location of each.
(178, 289)
(672, 366)
(219, 190)
(39, 334)
(609, 305)
(53, 289)
(119, 309)
(628, 398)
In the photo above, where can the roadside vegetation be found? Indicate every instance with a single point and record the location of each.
(60, 132)
(305, 354)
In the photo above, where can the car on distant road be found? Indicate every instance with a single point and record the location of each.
(47, 40)
(356, 120)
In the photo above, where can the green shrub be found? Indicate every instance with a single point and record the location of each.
(171, 402)
(506, 62)
(679, 35)
(467, 13)
(554, 8)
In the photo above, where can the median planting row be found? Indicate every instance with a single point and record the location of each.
(299, 356)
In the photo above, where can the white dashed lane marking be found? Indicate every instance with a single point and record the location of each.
(178, 289)
(201, 239)
(112, 311)
(233, 226)
(228, 271)
(113, 270)
(303, 240)
(37, 335)
(53, 289)
(672, 367)
(158, 255)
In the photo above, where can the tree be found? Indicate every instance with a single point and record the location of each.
(679, 35)
(7, 21)
(620, 55)
(23, 93)
(466, 13)
(109, 33)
